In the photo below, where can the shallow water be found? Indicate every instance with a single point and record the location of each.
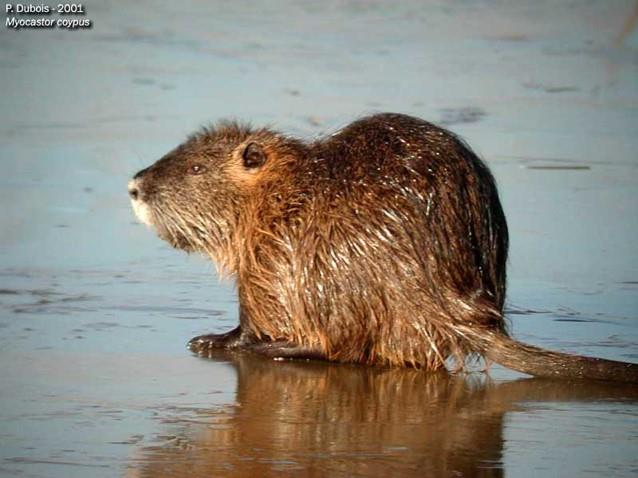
(95, 311)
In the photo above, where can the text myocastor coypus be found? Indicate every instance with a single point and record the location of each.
(384, 243)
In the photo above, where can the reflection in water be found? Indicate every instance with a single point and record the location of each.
(319, 419)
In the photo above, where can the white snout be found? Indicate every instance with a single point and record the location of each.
(140, 208)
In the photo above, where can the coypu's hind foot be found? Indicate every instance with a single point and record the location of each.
(229, 340)
(281, 349)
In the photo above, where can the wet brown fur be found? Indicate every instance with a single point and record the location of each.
(384, 243)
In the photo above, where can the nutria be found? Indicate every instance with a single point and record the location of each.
(383, 243)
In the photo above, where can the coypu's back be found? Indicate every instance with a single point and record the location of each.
(384, 243)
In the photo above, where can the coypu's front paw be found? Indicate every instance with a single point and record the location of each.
(204, 343)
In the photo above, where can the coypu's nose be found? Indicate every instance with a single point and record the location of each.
(133, 189)
(138, 202)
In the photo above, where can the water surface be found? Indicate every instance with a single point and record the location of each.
(95, 311)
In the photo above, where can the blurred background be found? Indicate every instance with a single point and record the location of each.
(95, 310)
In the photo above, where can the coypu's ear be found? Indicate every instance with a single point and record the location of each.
(253, 155)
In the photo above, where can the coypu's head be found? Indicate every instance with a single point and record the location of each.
(195, 195)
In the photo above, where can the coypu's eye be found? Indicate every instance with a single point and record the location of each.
(253, 155)
(196, 169)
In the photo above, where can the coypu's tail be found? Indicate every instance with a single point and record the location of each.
(544, 363)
